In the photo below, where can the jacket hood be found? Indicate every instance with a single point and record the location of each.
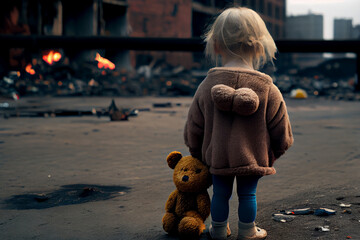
(243, 101)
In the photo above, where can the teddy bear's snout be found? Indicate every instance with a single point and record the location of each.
(185, 178)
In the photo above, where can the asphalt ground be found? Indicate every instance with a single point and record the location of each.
(85, 177)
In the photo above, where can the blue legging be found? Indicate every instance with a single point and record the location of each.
(246, 190)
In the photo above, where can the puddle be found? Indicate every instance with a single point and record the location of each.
(66, 195)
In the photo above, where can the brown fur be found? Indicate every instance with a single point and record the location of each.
(238, 123)
(189, 204)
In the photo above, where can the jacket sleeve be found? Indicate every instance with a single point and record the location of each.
(194, 129)
(278, 123)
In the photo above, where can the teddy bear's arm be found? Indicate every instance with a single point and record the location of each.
(171, 202)
(203, 202)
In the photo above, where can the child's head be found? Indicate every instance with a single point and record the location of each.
(240, 33)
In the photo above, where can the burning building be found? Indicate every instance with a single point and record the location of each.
(134, 18)
(115, 18)
(68, 18)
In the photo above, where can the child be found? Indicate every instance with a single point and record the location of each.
(238, 123)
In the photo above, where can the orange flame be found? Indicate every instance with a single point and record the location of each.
(52, 57)
(104, 63)
(29, 69)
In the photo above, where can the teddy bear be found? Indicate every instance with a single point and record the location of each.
(188, 205)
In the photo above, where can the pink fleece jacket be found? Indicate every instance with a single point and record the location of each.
(238, 123)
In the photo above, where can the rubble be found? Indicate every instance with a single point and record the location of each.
(288, 215)
(116, 114)
(343, 205)
(162, 105)
(348, 211)
(113, 112)
(4, 105)
(157, 78)
(324, 212)
(278, 217)
(303, 211)
(322, 228)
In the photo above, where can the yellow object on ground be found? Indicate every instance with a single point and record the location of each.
(298, 93)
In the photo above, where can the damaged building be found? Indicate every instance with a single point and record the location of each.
(118, 71)
(135, 18)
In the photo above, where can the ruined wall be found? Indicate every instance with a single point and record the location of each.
(161, 18)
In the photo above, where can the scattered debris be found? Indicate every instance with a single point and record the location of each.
(162, 105)
(278, 217)
(116, 114)
(334, 79)
(348, 211)
(4, 105)
(343, 205)
(112, 111)
(303, 211)
(288, 215)
(324, 212)
(322, 228)
(134, 113)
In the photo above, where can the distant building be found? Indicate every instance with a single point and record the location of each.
(343, 29)
(304, 27)
(356, 32)
(309, 27)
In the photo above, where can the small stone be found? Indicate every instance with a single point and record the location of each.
(322, 228)
(41, 198)
(343, 205)
(282, 218)
(348, 211)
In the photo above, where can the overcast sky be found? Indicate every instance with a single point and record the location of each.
(330, 9)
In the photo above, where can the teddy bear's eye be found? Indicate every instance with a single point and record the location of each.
(185, 169)
(198, 171)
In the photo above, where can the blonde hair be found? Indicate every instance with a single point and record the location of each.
(241, 33)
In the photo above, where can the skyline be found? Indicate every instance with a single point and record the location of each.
(330, 9)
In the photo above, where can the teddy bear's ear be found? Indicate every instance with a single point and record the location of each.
(173, 158)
